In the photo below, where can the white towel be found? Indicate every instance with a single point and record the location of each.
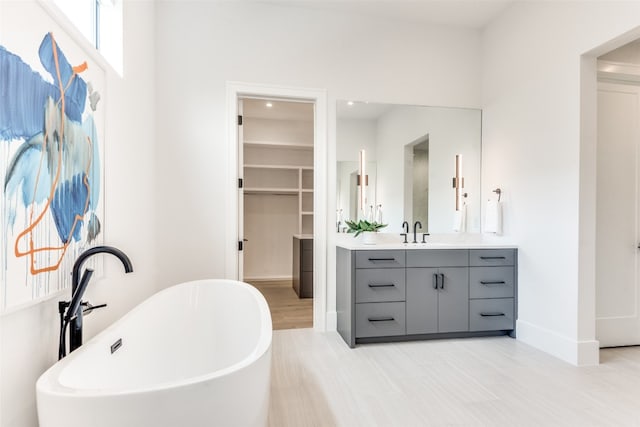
(460, 219)
(493, 217)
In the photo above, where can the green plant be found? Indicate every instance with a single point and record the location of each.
(362, 226)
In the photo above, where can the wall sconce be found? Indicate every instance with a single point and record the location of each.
(458, 182)
(363, 180)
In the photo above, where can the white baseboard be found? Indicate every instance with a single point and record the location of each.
(579, 353)
(266, 278)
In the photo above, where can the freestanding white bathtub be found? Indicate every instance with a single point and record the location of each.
(195, 354)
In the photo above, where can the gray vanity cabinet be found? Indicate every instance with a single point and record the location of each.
(390, 295)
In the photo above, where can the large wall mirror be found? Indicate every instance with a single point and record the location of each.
(422, 163)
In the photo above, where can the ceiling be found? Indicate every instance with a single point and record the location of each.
(474, 14)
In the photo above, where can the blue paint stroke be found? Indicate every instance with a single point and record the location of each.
(23, 92)
(21, 173)
(68, 201)
(75, 94)
(30, 110)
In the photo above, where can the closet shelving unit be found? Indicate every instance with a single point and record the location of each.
(282, 168)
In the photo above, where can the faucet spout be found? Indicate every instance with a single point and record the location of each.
(73, 315)
(415, 226)
(77, 266)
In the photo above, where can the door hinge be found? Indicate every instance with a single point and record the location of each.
(239, 120)
(240, 183)
(240, 245)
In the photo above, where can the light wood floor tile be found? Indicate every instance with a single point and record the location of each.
(317, 380)
(287, 310)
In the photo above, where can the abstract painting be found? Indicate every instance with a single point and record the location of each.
(50, 168)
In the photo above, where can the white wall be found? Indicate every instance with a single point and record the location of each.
(28, 337)
(533, 123)
(293, 131)
(204, 44)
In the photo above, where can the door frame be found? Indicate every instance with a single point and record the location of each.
(236, 90)
(608, 327)
(587, 349)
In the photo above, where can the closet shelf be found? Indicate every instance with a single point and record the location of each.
(278, 144)
(283, 191)
(253, 166)
(306, 213)
(307, 190)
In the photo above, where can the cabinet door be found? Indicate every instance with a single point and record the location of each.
(453, 300)
(422, 301)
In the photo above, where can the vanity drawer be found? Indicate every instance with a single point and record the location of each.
(491, 314)
(491, 282)
(491, 257)
(380, 259)
(437, 258)
(380, 319)
(380, 285)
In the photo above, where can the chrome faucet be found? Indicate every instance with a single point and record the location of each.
(73, 315)
(415, 225)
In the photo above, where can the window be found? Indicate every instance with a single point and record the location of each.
(100, 22)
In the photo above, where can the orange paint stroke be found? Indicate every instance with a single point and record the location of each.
(80, 68)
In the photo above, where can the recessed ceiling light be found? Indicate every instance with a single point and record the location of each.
(349, 103)
(269, 105)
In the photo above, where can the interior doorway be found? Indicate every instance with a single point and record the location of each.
(322, 319)
(276, 208)
(618, 197)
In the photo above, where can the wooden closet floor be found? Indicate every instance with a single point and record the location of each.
(287, 310)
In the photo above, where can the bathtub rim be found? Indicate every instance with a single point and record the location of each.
(48, 383)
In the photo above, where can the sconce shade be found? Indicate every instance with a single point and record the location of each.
(363, 180)
(458, 181)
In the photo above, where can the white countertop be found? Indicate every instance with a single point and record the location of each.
(436, 241)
